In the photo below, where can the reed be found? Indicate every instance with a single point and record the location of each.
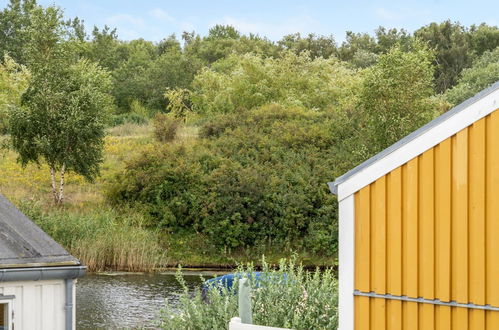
(103, 239)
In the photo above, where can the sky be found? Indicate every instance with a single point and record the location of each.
(155, 19)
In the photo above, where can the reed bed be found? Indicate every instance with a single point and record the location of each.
(104, 239)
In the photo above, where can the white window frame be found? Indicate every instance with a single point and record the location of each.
(9, 301)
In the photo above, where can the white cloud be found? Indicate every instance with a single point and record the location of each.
(162, 15)
(126, 18)
(387, 14)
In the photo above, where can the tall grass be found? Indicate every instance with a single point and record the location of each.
(304, 300)
(102, 239)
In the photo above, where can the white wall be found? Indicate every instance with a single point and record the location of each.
(37, 304)
(235, 324)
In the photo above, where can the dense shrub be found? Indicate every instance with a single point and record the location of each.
(483, 73)
(255, 176)
(396, 96)
(249, 81)
(165, 127)
(305, 300)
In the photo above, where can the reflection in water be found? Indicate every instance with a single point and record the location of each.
(126, 300)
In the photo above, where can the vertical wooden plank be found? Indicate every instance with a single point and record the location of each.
(476, 222)
(378, 250)
(29, 306)
(394, 248)
(491, 320)
(38, 298)
(47, 306)
(426, 237)
(410, 242)
(443, 170)
(443, 318)
(362, 312)
(492, 210)
(362, 256)
(460, 227)
(362, 239)
(394, 232)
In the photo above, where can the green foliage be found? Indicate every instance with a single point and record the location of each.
(101, 238)
(362, 49)
(289, 297)
(483, 73)
(249, 81)
(165, 127)
(14, 80)
(256, 176)
(224, 40)
(451, 43)
(14, 20)
(62, 119)
(179, 103)
(315, 46)
(395, 97)
(484, 38)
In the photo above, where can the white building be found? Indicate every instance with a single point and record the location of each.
(37, 276)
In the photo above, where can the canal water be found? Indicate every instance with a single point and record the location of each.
(125, 300)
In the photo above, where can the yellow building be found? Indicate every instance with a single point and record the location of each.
(419, 227)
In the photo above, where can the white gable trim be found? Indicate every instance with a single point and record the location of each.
(432, 136)
(346, 268)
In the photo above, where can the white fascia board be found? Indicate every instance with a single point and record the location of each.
(346, 265)
(419, 144)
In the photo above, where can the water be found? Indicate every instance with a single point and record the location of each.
(121, 300)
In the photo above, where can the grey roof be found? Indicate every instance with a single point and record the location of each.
(334, 185)
(24, 244)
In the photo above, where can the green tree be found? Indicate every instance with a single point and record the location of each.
(396, 97)
(452, 46)
(249, 81)
(483, 73)
(130, 81)
(316, 46)
(105, 49)
(14, 79)
(224, 40)
(355, 42)
(61, 119)
(14, 19)
(484, 38)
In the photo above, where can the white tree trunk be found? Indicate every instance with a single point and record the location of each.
(54, 185)
(61, 185)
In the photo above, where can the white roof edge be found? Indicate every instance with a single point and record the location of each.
(417, 142)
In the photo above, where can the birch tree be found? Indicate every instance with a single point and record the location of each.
(61, 118)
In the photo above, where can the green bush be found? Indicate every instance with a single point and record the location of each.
(256, 177)
(165, 127)
(305, 300)
(250, 81)
(483, 73)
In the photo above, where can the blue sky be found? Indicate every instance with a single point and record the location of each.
(155, 19)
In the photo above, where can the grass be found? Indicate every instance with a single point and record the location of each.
(102, 238)
(106, 238)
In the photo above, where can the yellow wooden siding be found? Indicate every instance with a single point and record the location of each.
(430, 229)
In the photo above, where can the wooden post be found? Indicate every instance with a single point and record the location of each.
(244, 301)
